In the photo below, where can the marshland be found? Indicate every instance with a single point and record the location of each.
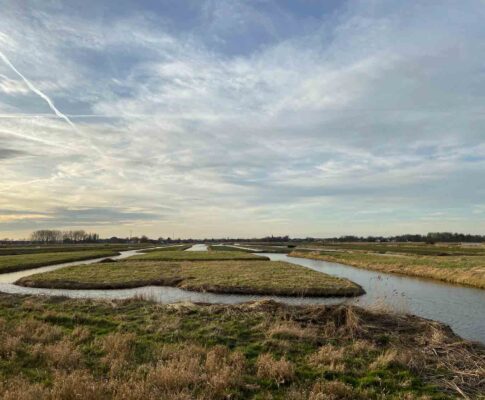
(266, 325)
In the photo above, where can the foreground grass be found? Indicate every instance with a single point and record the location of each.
(242, 277)
(465, 270)
(68, 349)
(167, 255)
(27, 261)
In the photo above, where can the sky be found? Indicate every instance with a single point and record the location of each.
(226, 118)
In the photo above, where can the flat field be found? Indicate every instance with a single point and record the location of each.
(242, 277)
(58, 348)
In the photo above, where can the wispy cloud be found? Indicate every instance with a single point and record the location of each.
(309, 118)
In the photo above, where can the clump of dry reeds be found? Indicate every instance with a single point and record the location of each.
(280, 371)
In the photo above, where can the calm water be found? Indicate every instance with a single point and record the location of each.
(460, 307)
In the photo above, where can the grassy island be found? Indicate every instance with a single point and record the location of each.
(174, 255)
(241, 277)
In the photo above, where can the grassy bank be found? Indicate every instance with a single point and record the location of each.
(465, 270)
(27, 261)
(168, 255)
(422, 249)
(67, 349)
(242, 277)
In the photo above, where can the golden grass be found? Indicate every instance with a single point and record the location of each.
(464, 270)
(329, 357)
(243, 277)
(280, 371)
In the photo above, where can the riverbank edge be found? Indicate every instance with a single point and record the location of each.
(461, 278)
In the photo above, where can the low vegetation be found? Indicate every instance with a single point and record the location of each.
(27, 261)
(167, 255)
(242, 277)
(465, 270)
(57, 348)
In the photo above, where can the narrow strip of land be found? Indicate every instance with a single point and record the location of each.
(27, 261)
(465, 270)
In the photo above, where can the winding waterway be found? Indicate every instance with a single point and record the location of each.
(460, 307)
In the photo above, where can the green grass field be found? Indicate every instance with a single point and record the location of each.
(196, 256)
(466, 270)
(62, 349)
(27, 261)
(242, 277)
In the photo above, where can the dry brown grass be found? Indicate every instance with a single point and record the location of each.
(118, 350)
(291, 330)
(329, 357)
(391, 357)
(325, 390)
(62, 355)
(280, 371)
(34, 331)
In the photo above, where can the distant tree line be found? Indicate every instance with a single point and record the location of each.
(81, 236)
(57, 236)
(431, 237)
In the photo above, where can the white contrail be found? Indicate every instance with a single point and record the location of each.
(37, 91)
